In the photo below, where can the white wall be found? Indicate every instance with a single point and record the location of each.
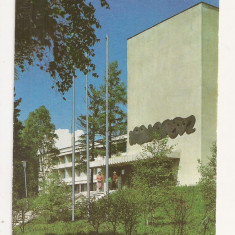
(165, 78)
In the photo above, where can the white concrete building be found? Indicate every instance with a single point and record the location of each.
(172, 73)
(172, 86)
(64, 165)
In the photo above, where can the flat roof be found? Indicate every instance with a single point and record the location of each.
(172, 17)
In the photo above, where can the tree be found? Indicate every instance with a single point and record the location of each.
(129, 208)
(117, 99)
(207, 185)
(177, 204)
(59, 35)
(112, 210)
(18, 154)
(39, 139)
(19, 211)
(154, 174)
(94, 211)
(53, 201)
(93, 130)
(154, 167)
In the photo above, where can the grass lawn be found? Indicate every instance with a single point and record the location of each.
(160, 225)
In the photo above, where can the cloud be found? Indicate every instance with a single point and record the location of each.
(65, 137)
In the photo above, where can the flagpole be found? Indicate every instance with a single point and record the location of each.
(73, 155)
(107, 110)
(87, 142)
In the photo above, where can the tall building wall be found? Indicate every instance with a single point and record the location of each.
(210, 25)
(168, 78)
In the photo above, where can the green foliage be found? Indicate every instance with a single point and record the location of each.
(113, 210)
(162, 223)
(18, 154)
(58, 228)
(154, 167)
(117, 99)
(208, 180)
(128, 209)
(19, 209)
(58, 35)
(122, 207)
(153, 175)
(38, 141)
(94, 100)
(97, 117)
(94, 96)
(53, 201)
(208, 189)
(178, 208)
(94, 212)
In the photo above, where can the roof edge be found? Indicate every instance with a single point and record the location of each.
(172, 17)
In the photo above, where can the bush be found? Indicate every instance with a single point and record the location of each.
(154, 173)
(94, 211)
(178, 208)
(19, 210)
(53, 201)
(208, 189)
(128, 208)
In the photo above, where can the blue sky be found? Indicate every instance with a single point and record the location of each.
(125, 19)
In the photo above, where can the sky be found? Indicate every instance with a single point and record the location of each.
(124, 19)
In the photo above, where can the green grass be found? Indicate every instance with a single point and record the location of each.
(161, 224)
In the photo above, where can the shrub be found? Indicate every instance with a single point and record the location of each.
(178, 208)
(19, 210)
(154, 173)
(208, 189)
(94, 212)
(128, 208)
(53, 201)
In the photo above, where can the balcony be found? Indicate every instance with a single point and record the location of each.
(63, 165)
(78, 180)
(124, 158)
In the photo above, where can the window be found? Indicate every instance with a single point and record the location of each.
(77, 188)
(77, 172)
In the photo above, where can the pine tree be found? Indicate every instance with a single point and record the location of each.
(117, 100)
(94, 105)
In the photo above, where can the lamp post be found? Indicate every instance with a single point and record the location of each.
(25, 182)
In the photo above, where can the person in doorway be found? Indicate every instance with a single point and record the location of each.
(100, 181)
(115, 180)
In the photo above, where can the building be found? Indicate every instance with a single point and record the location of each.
(172, 87)
(64, 165)
(172, 75)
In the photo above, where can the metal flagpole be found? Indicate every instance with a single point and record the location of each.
(107, 110)
(73, 155)
(87, 142)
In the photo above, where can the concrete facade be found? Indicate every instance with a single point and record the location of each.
(172, 72)
(64, 164)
